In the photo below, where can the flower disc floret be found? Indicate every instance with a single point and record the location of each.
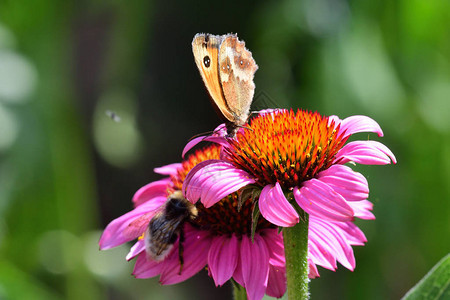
(286, 147)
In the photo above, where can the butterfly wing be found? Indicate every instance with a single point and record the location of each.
(237, 69)
(206, 53)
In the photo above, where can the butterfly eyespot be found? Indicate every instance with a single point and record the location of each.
(206, 61)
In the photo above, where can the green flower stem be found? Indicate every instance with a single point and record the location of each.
(296, 252)
(239, 293)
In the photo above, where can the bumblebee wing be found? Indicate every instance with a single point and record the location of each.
(138, 226)
(162, 233)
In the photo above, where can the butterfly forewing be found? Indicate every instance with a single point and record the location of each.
(206, 53)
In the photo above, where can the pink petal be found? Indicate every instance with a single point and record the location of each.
(212, 180)
(275, 208)
(351, 185)
(319, 199)
(271, 111)
(274, 241)
(362, 209)
(171, 169)
(220, 131)
(353, 235)
(313, 272)
(365, 152)
(356, 124)
(146, 267)
(333, 241)
(118, 232)
(255, 266)
(276, 283)
(222, 140)
(237, 275)
(196, 246)
(191, 144)
(223, 258)
(137, 248)
(317, 253)
(138, 226)
(150, 191)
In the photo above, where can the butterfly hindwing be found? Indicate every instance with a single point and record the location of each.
(237, 69)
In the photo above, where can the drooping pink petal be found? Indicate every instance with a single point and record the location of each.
(366, 153)
(150, 191)
(254, 260)
(137, 248)
(276, 284)
(317, 254)
(349, 184)
(237, 275)
(356, 124)
(329, 238)
(170, 170)
(353, 235)
(195, 254)
(274, 241)
(275, 208)
(212, 180)
(319, 199)
(363, 209)
(223, 258)
(146, 267)
(118, 232)
(313, 272)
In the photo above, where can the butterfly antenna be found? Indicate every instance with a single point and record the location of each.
(200, 134)
(245, 127)
(253, 112)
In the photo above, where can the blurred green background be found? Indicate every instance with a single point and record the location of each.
(67, 169)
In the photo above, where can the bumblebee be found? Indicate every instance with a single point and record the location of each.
(167, 225)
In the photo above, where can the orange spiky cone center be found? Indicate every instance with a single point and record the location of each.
(286, 147)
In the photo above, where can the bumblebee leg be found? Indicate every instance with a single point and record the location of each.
(180, 250)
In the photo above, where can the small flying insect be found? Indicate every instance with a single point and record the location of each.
(113, 116)
(167, 225)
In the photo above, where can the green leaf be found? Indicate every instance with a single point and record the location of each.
(244, 196)
(435, 285)
(255, 218)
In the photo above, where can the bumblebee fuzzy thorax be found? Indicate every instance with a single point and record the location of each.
(167, 225)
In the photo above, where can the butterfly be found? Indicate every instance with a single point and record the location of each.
(227, 69)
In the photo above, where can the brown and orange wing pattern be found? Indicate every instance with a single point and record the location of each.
(206, 53)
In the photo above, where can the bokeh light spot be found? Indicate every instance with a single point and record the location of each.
(59, 251)
(118, 142)
(9, 128)
(18, 77)
(434, 105)
(108, 264)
